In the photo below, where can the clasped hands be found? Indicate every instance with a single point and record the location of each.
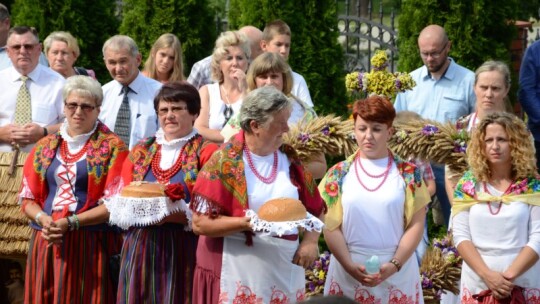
(21, 135)
(53, 231)
(358, 272)
(499, 283)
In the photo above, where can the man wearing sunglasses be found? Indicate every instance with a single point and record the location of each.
(31, 94)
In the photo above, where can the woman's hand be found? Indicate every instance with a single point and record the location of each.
(500, 287)
(54, 231)
(306, 254)
(240, 77)
(358, 272)
(387, 269)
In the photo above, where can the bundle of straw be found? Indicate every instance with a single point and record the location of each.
(329, 134)
(14, 229)
(432, 141)
(440, 271)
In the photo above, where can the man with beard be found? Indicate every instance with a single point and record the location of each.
(444, 92)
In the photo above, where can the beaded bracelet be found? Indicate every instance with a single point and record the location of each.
(75, 222)
(38, 215)
(396, 263)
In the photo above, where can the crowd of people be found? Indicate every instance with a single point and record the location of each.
(216, 138)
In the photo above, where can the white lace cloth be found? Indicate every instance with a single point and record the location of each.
(128, 212)
(310, 223)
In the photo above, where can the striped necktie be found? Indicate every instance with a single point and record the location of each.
(23, 108)
(123, 119)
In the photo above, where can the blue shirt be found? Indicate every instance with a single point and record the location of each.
(446, 99)
(529, 87)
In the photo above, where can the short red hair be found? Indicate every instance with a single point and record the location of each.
(375, 109)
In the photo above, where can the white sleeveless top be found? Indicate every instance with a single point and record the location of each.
(216, 119)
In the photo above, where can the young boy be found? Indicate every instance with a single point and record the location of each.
(277, 39)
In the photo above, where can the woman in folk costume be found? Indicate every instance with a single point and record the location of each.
(376, 206)
(234, 264)
(496, 222)
(65, 176)
(158, 255)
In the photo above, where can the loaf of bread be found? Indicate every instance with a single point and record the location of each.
(282, 210)
(140, 189)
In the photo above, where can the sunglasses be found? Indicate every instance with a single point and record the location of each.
(227, 112)
(84, 107)
(28, 47)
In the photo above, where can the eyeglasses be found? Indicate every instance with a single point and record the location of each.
(29, 47)
(174, 110)
(84, 107)
(227, 113)
(434, 55)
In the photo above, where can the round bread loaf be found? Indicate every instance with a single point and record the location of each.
(282, 210)
(138, 189)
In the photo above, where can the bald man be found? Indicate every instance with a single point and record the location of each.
(200, 72)
(443, 92)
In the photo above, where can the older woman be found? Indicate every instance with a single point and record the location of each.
(502, 189)
(165, 61)
(233, 263)
(62, 50)
(376, 206)
(220, 100)
(158, 260)
(491, 86)
(65, 176)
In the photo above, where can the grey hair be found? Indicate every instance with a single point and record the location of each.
(65, 37)
(84, 86)
(121, 42)
(4, 12)
(260, 105)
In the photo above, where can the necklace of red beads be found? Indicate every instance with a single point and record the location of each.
(67, 156)
(164, 176)
(267, 180)
(500, 202)
(384, 175)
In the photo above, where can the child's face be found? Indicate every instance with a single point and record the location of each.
(280, 44)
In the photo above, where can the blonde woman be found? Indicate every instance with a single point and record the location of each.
(62, 50)
(221, 100)
(165, 61)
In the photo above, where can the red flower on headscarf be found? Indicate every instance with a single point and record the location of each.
(175, 191)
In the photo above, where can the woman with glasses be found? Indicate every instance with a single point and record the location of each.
(62, 50)
(220, 100)
(65, 176)
(158, 259)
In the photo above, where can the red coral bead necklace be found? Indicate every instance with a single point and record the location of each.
(267, 180)
(164, 176)
(384, 175)
(69, 157)
(500, 202)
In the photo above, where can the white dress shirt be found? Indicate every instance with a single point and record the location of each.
(300, 89)
(141, 102)
(45, 87)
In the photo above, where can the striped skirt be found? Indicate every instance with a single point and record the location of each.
(75, 271)
(157, 265)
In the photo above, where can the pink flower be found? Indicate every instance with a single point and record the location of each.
(468, 187)
(331, 189)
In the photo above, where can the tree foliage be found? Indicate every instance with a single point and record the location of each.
(91, 22)
(479, 30)
(315, 52)
(191, 20)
